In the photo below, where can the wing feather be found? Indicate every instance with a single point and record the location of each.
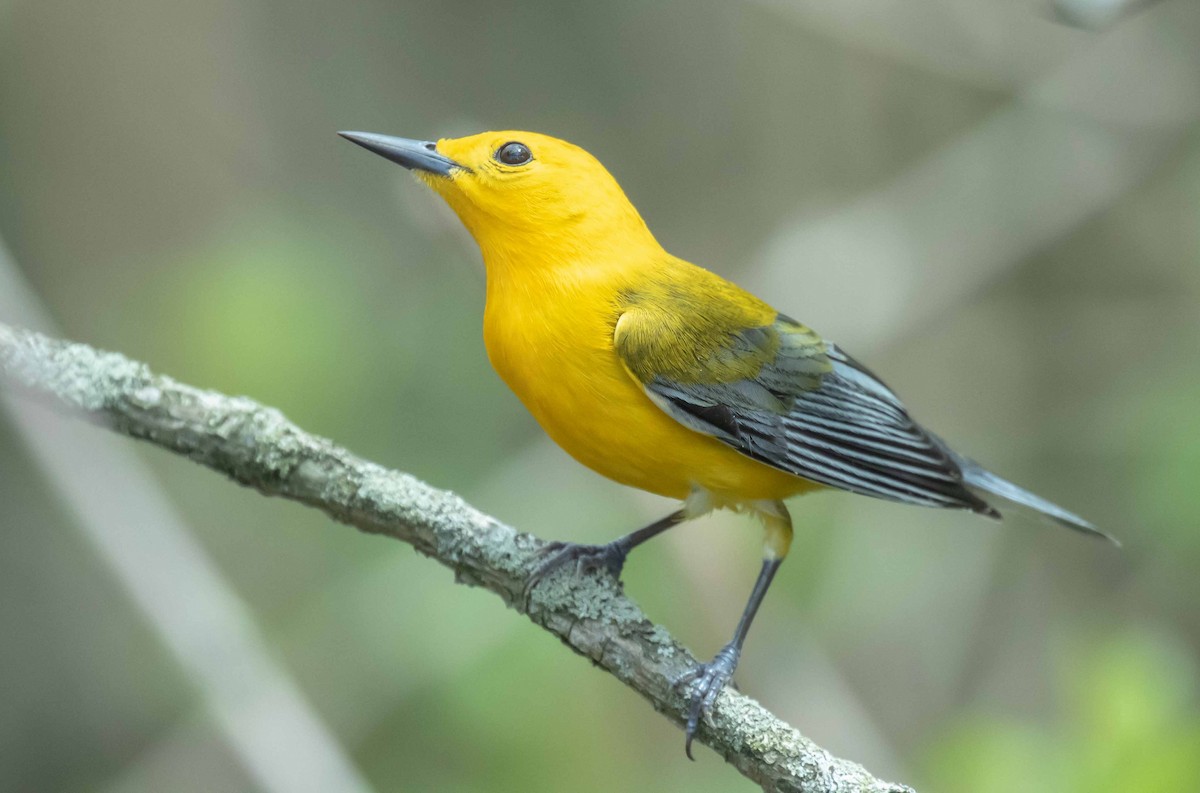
(809, 409)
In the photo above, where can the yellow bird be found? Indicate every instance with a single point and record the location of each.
(663, 376)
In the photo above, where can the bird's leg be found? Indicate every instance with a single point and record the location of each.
(609, 556)
(711, 678)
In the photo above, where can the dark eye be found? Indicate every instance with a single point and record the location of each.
(514, 153)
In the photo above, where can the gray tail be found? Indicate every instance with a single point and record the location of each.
(975, 475)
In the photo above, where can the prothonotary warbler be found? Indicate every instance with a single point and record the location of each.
(663, 376)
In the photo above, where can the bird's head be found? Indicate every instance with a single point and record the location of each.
(510, 187)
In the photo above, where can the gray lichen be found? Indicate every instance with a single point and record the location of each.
(258, 447)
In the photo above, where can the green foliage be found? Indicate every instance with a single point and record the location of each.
(1127, 721)
(1168, 466)
(266, 311)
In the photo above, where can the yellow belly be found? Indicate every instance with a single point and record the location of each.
(560, 362)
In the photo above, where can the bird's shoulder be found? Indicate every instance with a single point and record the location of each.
(689, 326)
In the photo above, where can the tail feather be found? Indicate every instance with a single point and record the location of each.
(975, 475)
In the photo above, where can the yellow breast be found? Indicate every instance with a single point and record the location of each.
(552, 343)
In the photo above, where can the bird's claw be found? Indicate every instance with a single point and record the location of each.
(709, 681)
(585, 558)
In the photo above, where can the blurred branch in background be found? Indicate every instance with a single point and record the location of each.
(258, 447)
(1095, 14)
(1074, 139)
(262, 713)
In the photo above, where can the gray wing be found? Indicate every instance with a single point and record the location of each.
(844, 428)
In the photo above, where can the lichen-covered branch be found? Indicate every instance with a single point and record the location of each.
(258, 447)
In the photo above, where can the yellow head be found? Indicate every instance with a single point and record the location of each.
(517, 192)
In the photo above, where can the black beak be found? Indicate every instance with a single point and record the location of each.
(418, 155)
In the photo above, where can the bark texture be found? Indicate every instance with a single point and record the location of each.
(258, 447)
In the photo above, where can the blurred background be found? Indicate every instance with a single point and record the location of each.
(997, 211)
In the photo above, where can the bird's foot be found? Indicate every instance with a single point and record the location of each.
(709, 681)
(585, 559)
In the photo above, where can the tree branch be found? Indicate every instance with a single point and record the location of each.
(256, 446)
